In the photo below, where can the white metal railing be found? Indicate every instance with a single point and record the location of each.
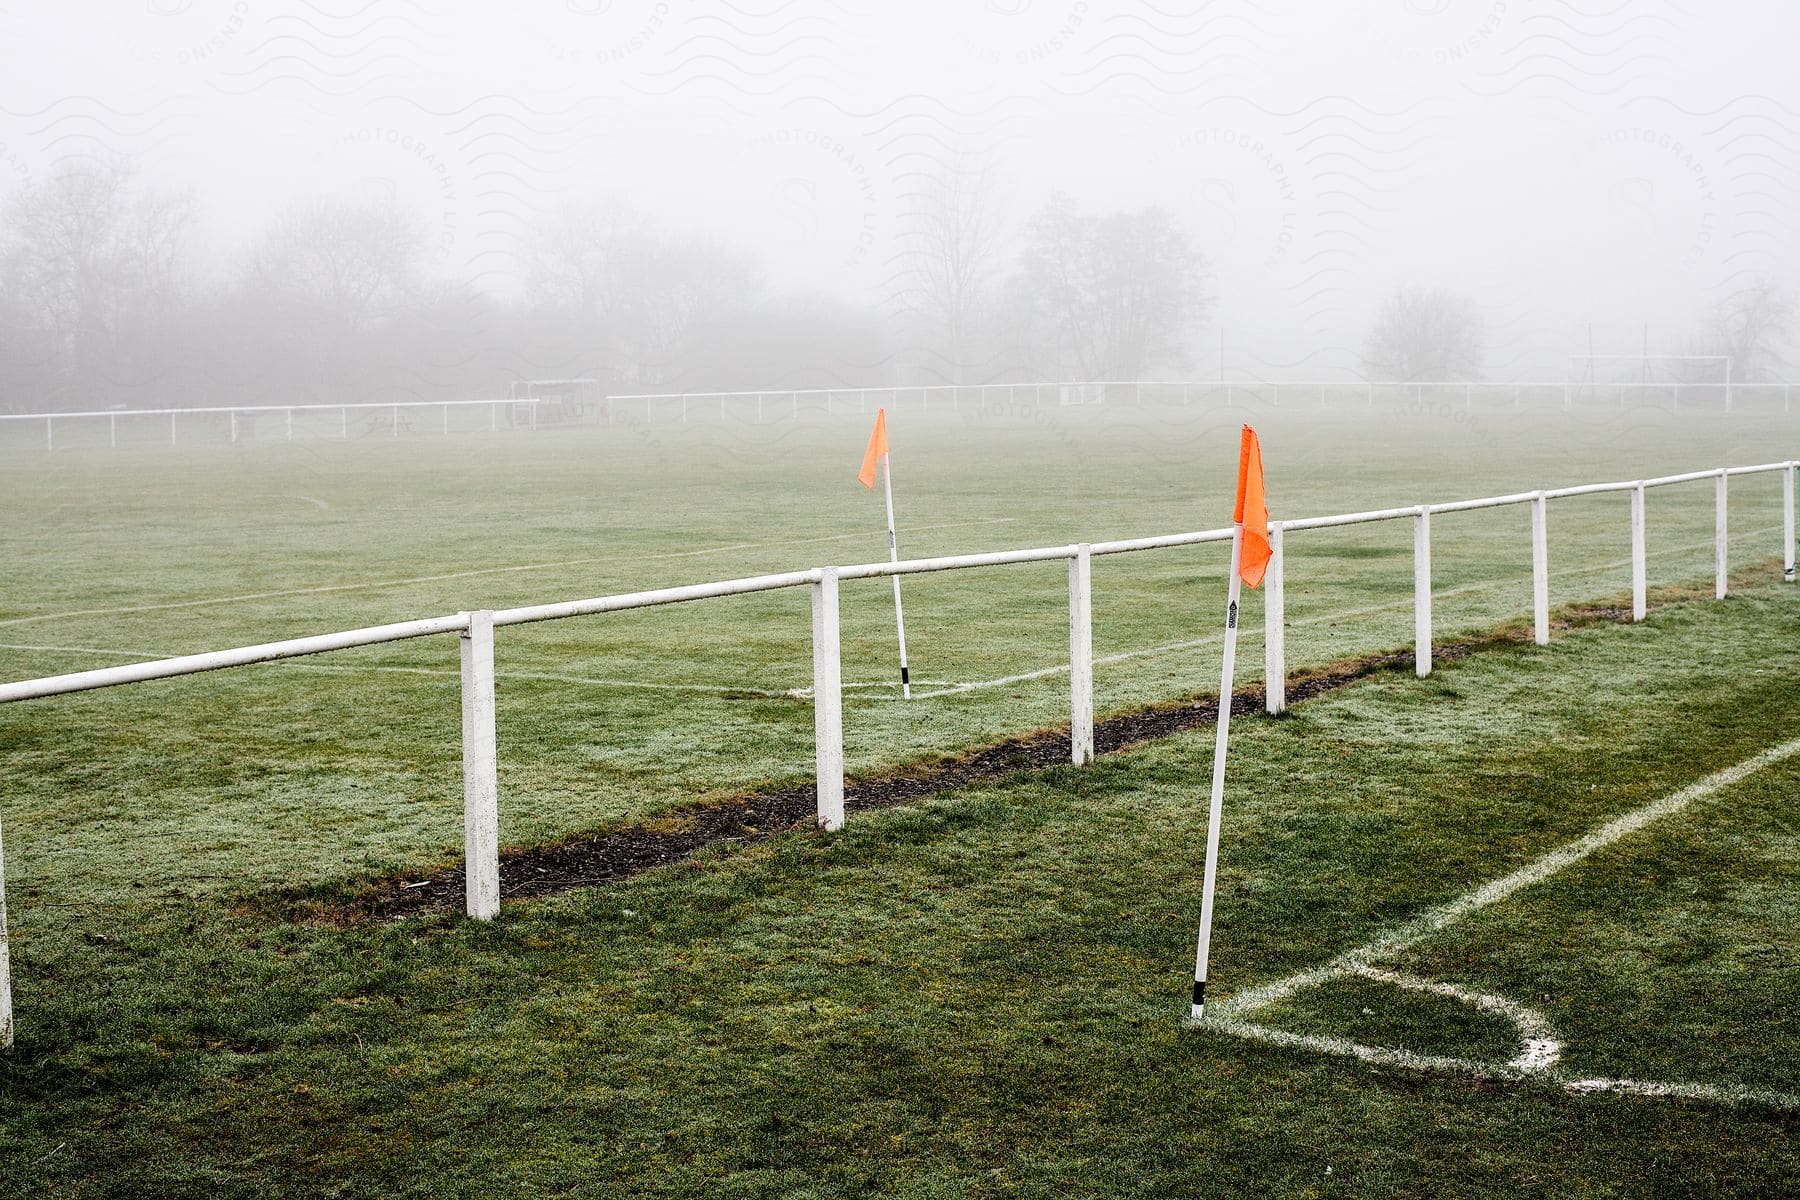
(476, 631)
(255, 411)
(759, 406)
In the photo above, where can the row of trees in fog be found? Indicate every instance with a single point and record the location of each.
(110, 295)
(107, 296)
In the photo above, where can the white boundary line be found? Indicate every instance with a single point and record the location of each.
(376, 584)
(1540, 1050)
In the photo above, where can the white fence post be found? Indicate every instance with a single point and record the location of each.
(1540, 569)
(828, 701)
(290, 424)
(1787, 521)
(113, 430)
(1640, 601)
(1422, 591)
(1081, 657)
(171, 429)
(481, 787)
(1719, 536)
(1275, 627)
(49, 435)
(6, 1013)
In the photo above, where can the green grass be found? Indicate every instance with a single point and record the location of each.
(979, 996)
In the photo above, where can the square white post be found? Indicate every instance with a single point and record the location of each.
(113, 430)
(1540, 569)
(1081, 657)
(171, 429)
(481, 787)
(1422, 591)
(6, 1013)
(1719, 565)
(1639, 575)
(1787, 522)
(290, 424)
(828, 701)
(344, 424)
(1275, 626)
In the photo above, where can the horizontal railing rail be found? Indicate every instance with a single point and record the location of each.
(681, 406)
(476, 632)
(659, 408)
(233, 411)
(260, 408)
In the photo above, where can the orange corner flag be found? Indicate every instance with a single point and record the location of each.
(878, 447)
(1252, 510)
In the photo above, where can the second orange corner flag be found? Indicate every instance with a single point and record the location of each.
(877, 447)
(1252, 509)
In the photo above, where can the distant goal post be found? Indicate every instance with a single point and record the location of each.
(1701, 377)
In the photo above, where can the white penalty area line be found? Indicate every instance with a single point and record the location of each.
(377, 584)
(1541, 1050)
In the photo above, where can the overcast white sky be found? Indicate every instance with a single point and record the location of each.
(1614, 162)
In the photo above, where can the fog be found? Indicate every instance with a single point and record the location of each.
(228, 202)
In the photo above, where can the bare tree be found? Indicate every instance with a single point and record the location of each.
(1426, 334)
(953, 262)
(1111, 295)
(650, 306)
(91, 264)
(340, 266)
(1751, 327)
(317, 301)
(571, 257)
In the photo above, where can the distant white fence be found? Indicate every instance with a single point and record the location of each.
(481, 821)
(757, 407)
(279, 422)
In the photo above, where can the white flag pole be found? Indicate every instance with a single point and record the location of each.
(1204, 947)
(887, 475)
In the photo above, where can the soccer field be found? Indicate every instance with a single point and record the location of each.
(979, 995)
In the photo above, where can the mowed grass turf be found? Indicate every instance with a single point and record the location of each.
(979, 997)
(346, 765)
(983, 995)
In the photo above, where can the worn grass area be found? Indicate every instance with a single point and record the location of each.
(983, 995)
